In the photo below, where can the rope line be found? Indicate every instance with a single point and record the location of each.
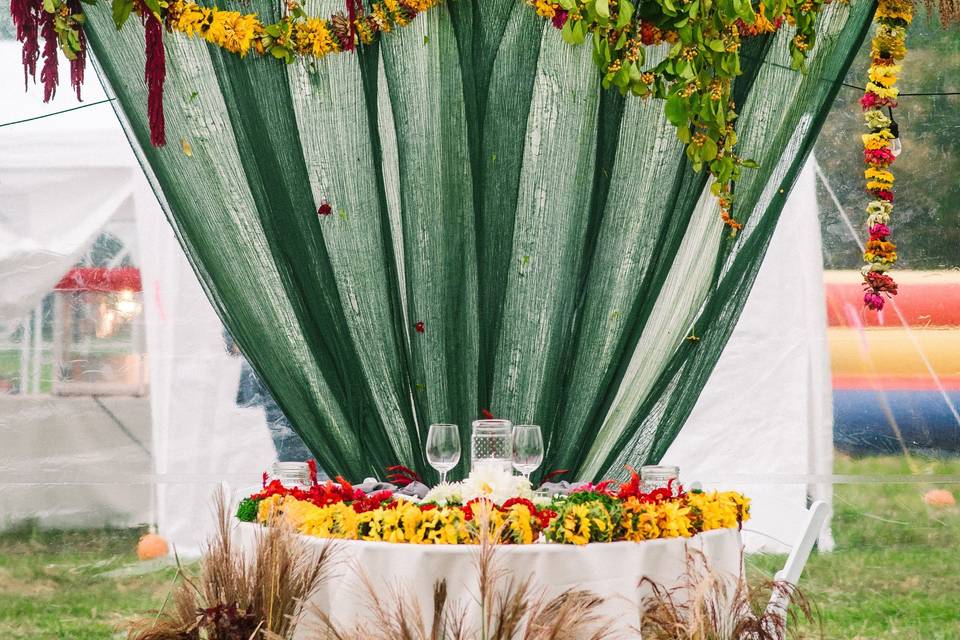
(774, 64)
(57, 113)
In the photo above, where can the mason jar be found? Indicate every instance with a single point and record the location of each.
(291, 474)
(658, 477)
(491, 443)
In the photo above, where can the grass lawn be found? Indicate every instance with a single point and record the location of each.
(71, 585)
(894, 575)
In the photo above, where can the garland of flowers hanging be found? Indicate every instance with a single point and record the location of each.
(696, 76)
(60, 24)
(881, 146)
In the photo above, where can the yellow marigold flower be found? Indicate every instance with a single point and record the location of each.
(233, 31)
(380, 16)
(879, 174)
(874, 184)
(882, 91)
(268, 508)
(189, 18)
(421, 5)
(312, 36)
(877, 140)
(545, 8)
(674, 520)
(895, 10)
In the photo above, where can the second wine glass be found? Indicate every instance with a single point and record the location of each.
(443, 448)
(527, 448)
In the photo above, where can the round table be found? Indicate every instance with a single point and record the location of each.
(612, 570)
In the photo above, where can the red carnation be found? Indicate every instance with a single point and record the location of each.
(324, 209)
(420, 327)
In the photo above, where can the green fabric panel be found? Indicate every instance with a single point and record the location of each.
(550, 235)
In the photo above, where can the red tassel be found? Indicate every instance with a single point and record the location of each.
(25, 14)
(49, 75)
(78, 64)
(352, 6)
(154, 74)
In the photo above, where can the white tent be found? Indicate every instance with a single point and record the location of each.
(763, 423)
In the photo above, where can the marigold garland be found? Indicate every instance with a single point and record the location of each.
(888, 48)
(60, 24)
(696, 77)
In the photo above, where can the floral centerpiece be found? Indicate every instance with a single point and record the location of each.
(450, 512)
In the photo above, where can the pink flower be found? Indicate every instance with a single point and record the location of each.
(879, 231)
(878, 156)
(873, 301)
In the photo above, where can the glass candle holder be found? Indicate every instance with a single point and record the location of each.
(658, 477)
(291, 474)
(491, 443)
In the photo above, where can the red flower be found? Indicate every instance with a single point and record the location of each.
(882, 157)
(324, 209)
(312, 465)
(420, 327)
(883, 194)
(486, 414)
(880, 283)
(560, 18)
(402, 476)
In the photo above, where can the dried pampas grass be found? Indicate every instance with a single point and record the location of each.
(708, 606)
(239, 596)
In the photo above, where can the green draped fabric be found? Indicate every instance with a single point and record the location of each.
(550, 235)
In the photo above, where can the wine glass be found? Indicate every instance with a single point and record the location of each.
(443, 448)
(527, 448)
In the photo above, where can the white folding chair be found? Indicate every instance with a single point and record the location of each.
(817, 515)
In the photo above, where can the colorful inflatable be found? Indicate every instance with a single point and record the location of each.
(896, 373)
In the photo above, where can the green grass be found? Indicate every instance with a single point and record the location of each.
(65, 584)
(895, 573)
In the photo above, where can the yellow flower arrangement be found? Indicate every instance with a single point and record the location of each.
(312, 37)
(582, 518)
(233, 31)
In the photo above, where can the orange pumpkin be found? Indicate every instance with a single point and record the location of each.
(939, 498)
(152, 546)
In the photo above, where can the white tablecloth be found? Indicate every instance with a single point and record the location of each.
(612, 570)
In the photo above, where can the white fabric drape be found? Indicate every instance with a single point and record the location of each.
(764, 422)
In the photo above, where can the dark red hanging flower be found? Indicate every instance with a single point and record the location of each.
(486, 414)
(79, 63)
(26, 16)
(154, 74)
(420, 327)
(49, 75)
(312, 466)
(324, 209)
(883, 194)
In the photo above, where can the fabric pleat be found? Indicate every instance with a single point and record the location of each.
(504, 235)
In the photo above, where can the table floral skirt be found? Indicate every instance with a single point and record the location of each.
(612, 570)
